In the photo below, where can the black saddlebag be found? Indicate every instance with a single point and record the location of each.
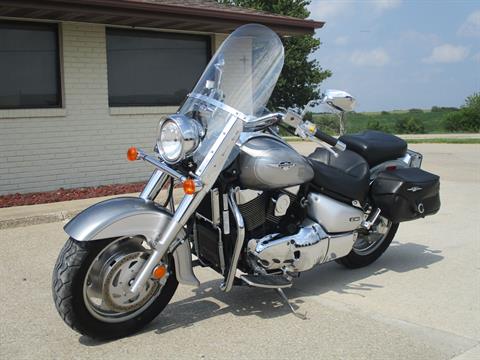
(406, 194)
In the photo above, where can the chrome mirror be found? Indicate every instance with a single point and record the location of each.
(340, 100)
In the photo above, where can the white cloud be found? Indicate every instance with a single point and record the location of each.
(476, 57)
(471, 26)
(341, 40)
(328, 9)
(382, 5)
(376, 57)
(447, 53)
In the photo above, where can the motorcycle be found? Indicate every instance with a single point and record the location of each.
(254, 210)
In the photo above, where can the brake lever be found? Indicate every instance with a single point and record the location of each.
(303, 132)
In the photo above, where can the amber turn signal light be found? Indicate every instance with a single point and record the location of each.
(159, 272)
(132, 154)
(189, 186)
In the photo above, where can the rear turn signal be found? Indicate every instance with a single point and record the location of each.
(189, 187)
(132, 154)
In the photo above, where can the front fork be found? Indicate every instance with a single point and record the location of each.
(205, 176)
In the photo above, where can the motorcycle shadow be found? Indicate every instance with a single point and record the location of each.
(208, 301)
(399, 258)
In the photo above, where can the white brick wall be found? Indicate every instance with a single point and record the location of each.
(85, 143)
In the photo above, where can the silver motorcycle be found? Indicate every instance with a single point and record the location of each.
(253, 208)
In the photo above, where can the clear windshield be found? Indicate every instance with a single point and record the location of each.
(241, 75)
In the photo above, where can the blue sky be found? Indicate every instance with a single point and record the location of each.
(400, 54)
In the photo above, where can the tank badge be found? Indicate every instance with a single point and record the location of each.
(414, 189)
(286, 165)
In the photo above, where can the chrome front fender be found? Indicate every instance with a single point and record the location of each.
(129, 216)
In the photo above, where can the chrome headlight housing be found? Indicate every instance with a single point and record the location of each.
(178, 137)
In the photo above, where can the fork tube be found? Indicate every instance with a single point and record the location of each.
(154, 185)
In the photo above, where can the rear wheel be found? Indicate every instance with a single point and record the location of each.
(369, 247)
(91, 282)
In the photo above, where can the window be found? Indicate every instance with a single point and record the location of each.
(29, 65)
(147, 68)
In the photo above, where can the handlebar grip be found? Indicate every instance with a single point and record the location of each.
(330, 140)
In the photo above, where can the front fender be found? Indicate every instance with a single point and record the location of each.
(129, 216)
(124, 216)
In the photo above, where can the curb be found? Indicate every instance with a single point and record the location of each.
(38, 219)
(44, 216)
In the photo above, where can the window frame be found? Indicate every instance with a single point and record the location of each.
(58, 65)
(117, 109)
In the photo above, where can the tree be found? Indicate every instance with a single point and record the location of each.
(301, 77)
(467, 118)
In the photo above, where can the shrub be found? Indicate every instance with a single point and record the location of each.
(378, 125)
(409, 125)
(443, 109)
(413, 111)
(328, 123)
(467, 118)
(308, 116)
(385, 113)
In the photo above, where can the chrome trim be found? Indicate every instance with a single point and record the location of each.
(228, 282)
(215, 201)
(368, 223)
(220, 105)
(415, 158)
(226, 215)
(263, 122)
(154, 185)
(160, 165)
(190, 133)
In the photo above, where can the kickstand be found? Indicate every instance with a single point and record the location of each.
(284, 297)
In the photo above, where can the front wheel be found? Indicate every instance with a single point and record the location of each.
(90, 287)
(369, 247)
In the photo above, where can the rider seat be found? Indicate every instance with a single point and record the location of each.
(344, 177)
(375, 146)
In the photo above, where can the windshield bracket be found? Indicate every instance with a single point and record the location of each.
(220, 105)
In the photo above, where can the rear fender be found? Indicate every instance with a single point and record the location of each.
(129, 216)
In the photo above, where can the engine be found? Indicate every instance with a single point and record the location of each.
(285, 230)
(295, 243)
(266, 212)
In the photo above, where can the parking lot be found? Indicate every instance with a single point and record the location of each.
(420, 300)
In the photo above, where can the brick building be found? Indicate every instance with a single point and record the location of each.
(81, 81)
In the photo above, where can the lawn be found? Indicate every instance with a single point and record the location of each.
(404, 121)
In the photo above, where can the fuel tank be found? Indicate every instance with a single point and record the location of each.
(268, 163)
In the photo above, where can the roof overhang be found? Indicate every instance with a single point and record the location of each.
(151, 14)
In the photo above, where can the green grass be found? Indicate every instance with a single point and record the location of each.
(415, 141)
(433, 122)
(443, 141)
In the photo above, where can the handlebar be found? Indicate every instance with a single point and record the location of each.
(330, 140)
(320, 135)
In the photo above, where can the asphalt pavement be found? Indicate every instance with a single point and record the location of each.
(420, 300)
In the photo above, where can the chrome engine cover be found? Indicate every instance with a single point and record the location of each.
(302, 251)
(333, 215)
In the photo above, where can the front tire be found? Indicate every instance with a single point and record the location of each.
(363, 255)
(88, 292)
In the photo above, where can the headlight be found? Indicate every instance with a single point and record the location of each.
(178, 137)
